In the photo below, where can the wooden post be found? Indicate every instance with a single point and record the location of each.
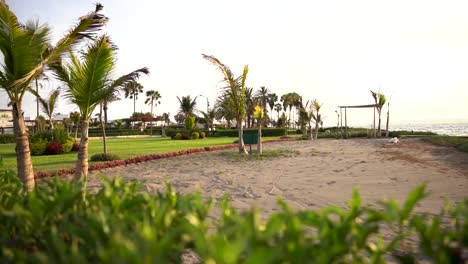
(346, 123)
(341, 121)
(373, 125)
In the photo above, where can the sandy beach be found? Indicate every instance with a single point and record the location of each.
(317, 174)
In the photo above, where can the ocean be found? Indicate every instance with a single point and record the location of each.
(450, 129)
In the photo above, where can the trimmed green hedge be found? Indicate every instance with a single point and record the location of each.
(110, 132)
(61, 222)
(266, 132)
(7, 139)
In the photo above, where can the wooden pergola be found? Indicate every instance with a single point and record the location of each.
(346, 116)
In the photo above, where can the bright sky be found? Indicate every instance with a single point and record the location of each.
(415, 52)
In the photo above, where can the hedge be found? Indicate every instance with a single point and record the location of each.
(59, 222)
(7, 139)
(266, 132)
(97, 132)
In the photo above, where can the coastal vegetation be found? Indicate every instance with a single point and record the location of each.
(59, 221)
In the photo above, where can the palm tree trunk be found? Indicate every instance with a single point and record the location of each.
(242, 149)
(316, 130)
(259, 138)
(103, 127)
(379, 131)
(76, 131)
(82, 161)
(23, 154)
(37, 99)
(151, 122)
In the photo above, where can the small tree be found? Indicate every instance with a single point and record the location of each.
(316, 116)
(259, 114)
(50, 105)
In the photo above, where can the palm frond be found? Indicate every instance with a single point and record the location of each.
(86, 28)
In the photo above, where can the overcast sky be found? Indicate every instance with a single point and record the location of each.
(415, 52)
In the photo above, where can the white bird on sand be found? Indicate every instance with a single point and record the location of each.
(393, 140)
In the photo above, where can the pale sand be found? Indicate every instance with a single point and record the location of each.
(324, 173)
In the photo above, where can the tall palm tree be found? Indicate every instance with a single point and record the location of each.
(105, 105)
(262, 95)
(235, 95)
(187, 105)
(166, 120)
(272, 98)
(317, 116)
(152, 98)
(380, 101)
(89, 85)
(223, 110)
(26, 53)
(76, 118)
(286, 101)
(210, 117)
(50, 105)
(132, 90)
(259, 114)
(250, 104)
(278, 108)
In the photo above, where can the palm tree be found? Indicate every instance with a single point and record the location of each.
(210, 117)
(152, 98)
(105, 105)
(259, 114)
(316, 116)
(49, 106)
(26, 53)
(278, 108)
(262, 95)
(76, 118)
(187, 105)
(250, 104)
(272, 98)
(166, 119)
(380, 101)
(235, 95)
(223, 110)
(132, 89)
(89, 85)
(286, 100)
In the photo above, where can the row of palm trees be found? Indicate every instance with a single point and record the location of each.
(86, 78)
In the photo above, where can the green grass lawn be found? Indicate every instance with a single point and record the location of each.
(123, 147)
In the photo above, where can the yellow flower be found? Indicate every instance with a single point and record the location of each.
(258, 112)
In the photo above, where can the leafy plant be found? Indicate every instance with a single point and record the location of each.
(119, 223)
(38, 147)
(195, 135)
(202, 135)
(68, 146)
(60, 134)
(189, 122)
(104, 157)
(54, 148)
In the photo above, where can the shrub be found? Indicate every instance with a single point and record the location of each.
(38, 148)
(195, 135)
(60, 133)
(117, 223)
(104, 157)
(266, 132)
(202, 135)
(178, 136)
(67, 146)
(40, 136)
(7, 138)
(189, 122)
(54, 148)
(185, 136)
